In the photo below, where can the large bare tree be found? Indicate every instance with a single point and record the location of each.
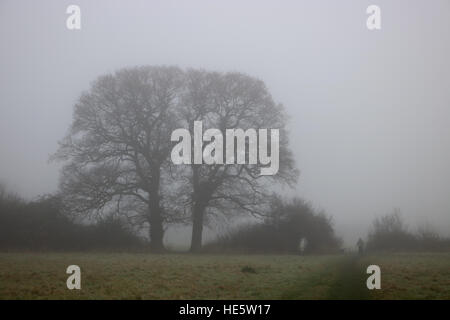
(117, 149)
(231, 101)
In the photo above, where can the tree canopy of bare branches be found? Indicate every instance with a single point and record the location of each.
(117, 151)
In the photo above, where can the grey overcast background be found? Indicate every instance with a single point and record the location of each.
(369, 110)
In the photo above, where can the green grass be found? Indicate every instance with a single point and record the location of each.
(184, 276)
(412, 276)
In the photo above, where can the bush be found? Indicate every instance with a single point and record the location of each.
(389, 233)
(40, 225)
(282, 232)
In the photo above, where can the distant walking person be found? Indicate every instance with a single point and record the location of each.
(360, 245)
(302, 245)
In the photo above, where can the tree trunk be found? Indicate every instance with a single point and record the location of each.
(197, 227)
(156, 226)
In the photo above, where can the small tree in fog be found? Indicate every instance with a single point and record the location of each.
(289, 224)
(389, 232)
(117, 150)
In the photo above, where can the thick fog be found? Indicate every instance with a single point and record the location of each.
(369, 110)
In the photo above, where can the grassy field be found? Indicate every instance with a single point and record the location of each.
(413, 276)
(183, 276)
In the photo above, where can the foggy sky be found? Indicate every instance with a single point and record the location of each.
(369, 110)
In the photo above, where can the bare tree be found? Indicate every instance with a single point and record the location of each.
(389, 232)
(228, 101)
(117, 149)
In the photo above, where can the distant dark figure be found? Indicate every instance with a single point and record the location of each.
(360, 245)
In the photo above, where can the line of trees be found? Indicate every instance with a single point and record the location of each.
(390, 233)
(40, 225)
(117, 152)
